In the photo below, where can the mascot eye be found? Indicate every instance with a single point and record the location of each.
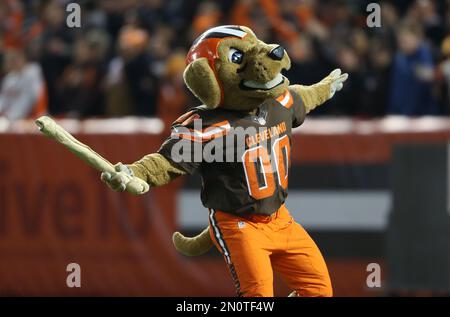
(235, 56)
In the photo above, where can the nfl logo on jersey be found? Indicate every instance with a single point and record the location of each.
(261, 121)
(261, 117)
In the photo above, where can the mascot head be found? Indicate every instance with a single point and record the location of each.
(227, 66)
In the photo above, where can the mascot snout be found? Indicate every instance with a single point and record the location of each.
(263, 67)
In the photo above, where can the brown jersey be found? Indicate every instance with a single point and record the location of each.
(243, 158)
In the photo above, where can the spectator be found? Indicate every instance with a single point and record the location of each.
(173, 97)
(425, 12)
(118, 101)
(79, 89)
(133, 69)
(377, 80)
(351, 97)
(412, 75)
(56, 42)
(207, 16)
(23, 92)
(444, 72)
(307, 65)
(11, 23)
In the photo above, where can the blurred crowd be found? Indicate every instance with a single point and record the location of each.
(128, 56)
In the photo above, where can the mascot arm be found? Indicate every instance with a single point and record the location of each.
(315, 95)
(156, 170)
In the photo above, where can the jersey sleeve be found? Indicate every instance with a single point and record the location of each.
(189, 135)
(298, 109)
(180, 147)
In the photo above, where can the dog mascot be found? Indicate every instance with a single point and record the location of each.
(239, 141)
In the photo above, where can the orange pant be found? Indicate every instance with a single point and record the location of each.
(253, 245)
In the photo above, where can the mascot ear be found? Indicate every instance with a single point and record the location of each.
(201, 80)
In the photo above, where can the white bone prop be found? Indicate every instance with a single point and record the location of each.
(54, 131)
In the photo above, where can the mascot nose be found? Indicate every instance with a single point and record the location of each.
(277, 53)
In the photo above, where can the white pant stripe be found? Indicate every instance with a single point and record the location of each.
(218, 236)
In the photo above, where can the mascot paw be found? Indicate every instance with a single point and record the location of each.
(123, 179)
(336, 79)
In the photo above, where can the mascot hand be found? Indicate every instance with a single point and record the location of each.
(336, 80)
(317, 94)
(123, 179)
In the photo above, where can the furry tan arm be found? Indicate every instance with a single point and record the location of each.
(315, 95)
(155, 169)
